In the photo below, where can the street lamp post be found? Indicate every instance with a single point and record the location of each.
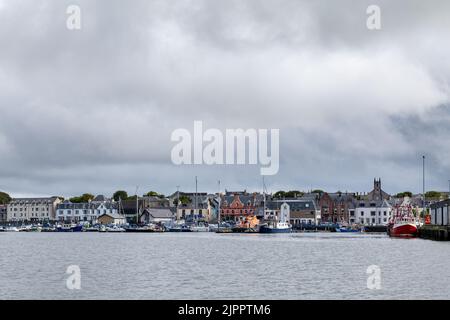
(423, 187)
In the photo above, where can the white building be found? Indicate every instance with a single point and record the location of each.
(89, 212)
(199, 208)
(371, 213)
(32, 209)
(111, 218)
(157, 215)
(297, 211)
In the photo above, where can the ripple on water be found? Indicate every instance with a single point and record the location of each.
(221, 266)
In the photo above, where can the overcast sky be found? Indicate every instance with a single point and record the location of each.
(92, 110)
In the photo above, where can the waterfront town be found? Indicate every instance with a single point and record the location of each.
(231, 211)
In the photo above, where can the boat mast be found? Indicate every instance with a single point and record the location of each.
(137, 205)
(423, 188)
(178, 201)
(264, 198)
(195, 202)
(218, 213)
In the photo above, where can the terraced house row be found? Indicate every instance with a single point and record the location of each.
(372, 208)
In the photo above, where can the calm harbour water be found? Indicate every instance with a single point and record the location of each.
(221, 266)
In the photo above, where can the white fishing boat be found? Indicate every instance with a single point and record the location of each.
(115, 229)
(276, 224)
(213, 227)
(25, 228)
(199, 228)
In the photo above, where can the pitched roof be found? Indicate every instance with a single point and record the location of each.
(86, 205)
(112, 215)
(364, 203)
(254, 200)
(294, 204)
(201, 201)
(161, 213)
(33, 200)
(99, 198)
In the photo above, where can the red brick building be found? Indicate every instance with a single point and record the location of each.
(334, 207)
(237, 206)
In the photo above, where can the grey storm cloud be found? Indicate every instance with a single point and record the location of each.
(92, 110)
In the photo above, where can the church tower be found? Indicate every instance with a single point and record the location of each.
(377, 193)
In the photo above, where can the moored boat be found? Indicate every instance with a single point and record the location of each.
(70, 227)
(248, 225)
(375, 229)
(146, 228)
(25, 228)
(347, 229)
(115, 229)
(280, 227)
(199, 228)
(91, 229)
(403, 229)
(11, 229)
(278, 223)
(179, 228)
(213, 227)
(36, 229)
(403, 224)
(48, 229)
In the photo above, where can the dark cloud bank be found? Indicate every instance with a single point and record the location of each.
(93, 110)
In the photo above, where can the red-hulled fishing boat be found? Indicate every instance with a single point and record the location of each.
(403, 223)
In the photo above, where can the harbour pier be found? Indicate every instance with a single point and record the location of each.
(435, 232)
(439, 227)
